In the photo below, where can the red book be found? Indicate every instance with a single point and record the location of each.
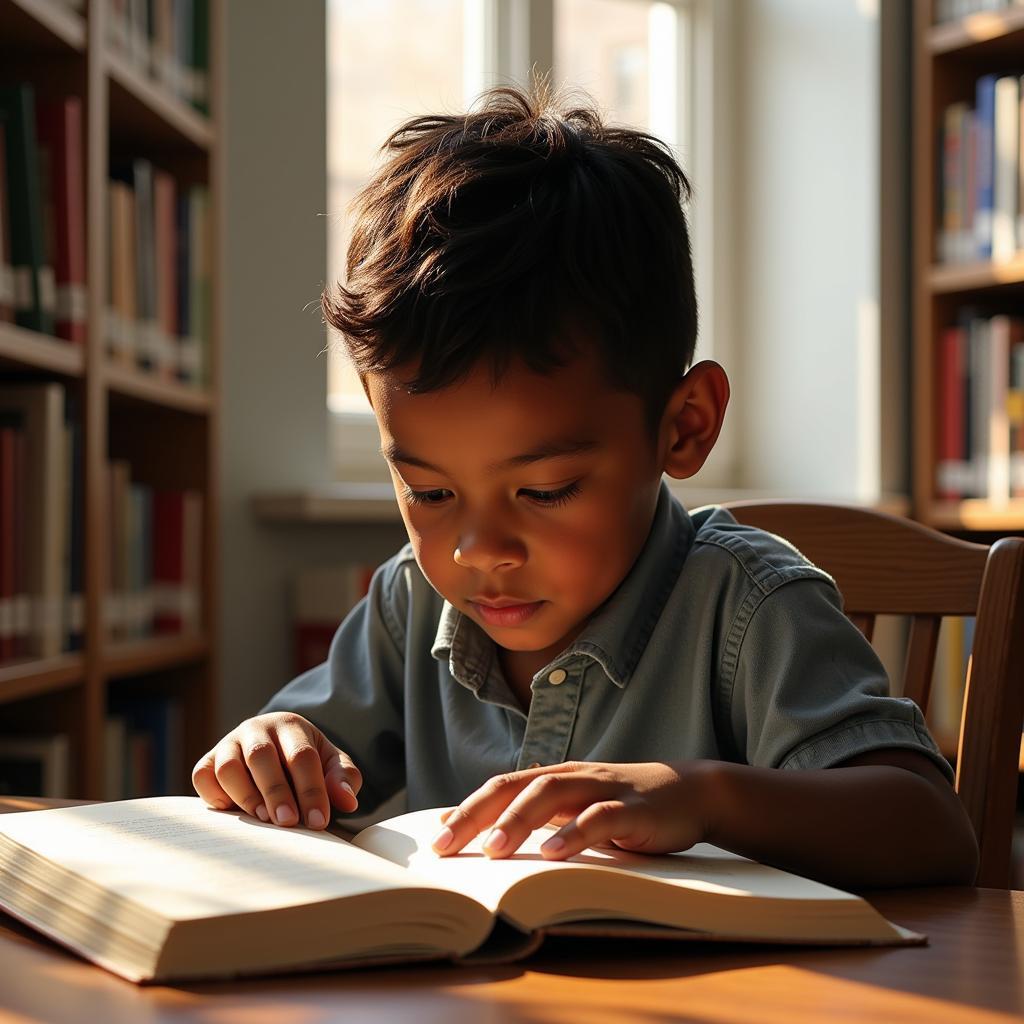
(169, 561)
(950, 410)
(59, 130)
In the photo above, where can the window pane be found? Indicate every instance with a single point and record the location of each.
(387, 60)
(624, 53)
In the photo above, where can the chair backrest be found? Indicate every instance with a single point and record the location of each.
(885, 565)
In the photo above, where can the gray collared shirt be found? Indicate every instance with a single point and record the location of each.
(722, 642)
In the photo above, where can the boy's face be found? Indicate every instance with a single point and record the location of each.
(527, 503)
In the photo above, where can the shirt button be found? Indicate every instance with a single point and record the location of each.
(558, 676)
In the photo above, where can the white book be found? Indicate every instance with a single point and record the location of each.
(1007, 168)
(998, 414)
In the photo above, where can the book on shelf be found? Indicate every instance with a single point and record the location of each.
(321, 597)
(155, 549)
(35, 766)
(7, 293)
(981, 174)
(158, 305)
(188, 892)
(35, 296)
(980, 407)
(949, 676)
(37, 528)
(167, 40)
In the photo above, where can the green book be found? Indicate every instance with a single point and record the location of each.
(35, 288)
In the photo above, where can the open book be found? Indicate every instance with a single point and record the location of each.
(165, 888)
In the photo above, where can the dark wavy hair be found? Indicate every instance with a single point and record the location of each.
(521, 230)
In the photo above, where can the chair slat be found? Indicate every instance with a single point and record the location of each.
(920, 663)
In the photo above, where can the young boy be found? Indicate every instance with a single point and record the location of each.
(561, 641)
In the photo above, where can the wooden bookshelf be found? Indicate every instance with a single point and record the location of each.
(167, 430)
(948, 59)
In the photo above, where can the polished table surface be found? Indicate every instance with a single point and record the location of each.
(972, 970)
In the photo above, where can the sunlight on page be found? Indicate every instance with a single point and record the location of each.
(406, 841)
(181, 859)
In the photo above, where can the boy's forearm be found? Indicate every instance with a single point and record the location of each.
(853, 827)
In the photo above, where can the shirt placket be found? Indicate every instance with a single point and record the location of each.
(555, 698)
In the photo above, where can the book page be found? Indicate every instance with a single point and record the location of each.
(183, 860)
(405, 840)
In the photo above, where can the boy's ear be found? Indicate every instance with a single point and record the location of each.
(693, 418)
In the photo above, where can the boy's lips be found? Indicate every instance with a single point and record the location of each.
(504, 611)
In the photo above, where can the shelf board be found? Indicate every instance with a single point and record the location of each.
(22, 679)
(143, 109)
(976, 514)
(41, 24)
(337, 503)
(983, 34)
(143, 387)
(962, 277)
(135, 657)
(31, 350)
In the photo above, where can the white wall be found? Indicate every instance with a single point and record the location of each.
(806, 267)
(275, 414)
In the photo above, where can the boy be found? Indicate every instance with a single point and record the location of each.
(561, 641)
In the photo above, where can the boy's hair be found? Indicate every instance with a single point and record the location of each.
(521, 230)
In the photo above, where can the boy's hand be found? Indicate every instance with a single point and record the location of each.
(649, 808)
(266, 762)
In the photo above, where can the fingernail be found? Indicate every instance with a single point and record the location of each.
(348, 789)
(316, 819)
(495, 841)
(284, 814)
(443, 839)
(553, 845)
(261, 813)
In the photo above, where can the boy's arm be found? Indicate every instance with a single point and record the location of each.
(882, 818)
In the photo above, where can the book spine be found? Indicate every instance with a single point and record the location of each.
(985, 101)
(1007, 164)
(7, 295)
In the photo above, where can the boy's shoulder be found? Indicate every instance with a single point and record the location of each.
(765, 560)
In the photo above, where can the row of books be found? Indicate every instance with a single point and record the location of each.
(169, 40)
(41, 542)
(954, 10)
(159, 280)
(42, 212)
(154, 571)
(980, 407)
(321, 597)
(142, 753)
(981, 174)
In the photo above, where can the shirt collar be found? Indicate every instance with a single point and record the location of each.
(619, 629)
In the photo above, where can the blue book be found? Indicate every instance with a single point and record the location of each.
(985, 164)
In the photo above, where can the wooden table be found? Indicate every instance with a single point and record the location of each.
(971, 971)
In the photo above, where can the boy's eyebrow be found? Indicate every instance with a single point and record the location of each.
(555, 449)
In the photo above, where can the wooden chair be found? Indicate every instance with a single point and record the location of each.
(885, 565)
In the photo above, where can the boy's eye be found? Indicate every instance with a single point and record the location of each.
(432, 497)
(553, 498)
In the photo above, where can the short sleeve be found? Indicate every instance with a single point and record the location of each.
(356, 697)
(808, 689)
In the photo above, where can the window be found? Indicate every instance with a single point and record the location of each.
(632, 56)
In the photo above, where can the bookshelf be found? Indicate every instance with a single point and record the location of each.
(158, 419)
(959, 285)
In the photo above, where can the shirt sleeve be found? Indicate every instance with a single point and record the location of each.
(809, 691)
(356, 697)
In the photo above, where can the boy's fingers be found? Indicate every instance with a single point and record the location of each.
(233, 777)
(204, 780)
(596, 824)
(542, 800)
(342, 777)
(481, 809)
(263, 760)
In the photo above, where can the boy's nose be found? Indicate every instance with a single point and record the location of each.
(488, 551)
